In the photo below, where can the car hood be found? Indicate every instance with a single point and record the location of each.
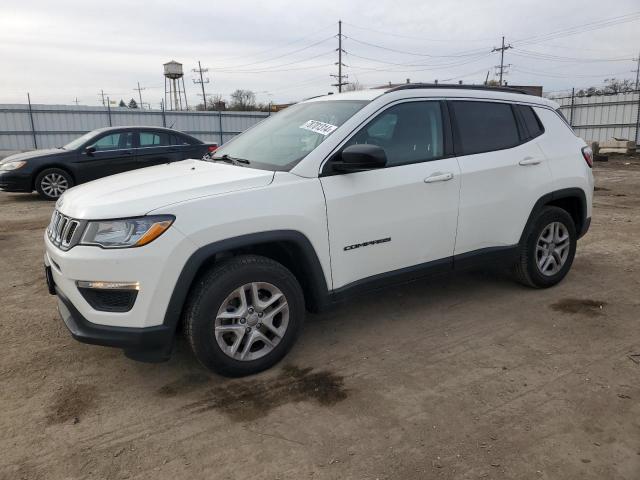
(16, 157)
(137, 192)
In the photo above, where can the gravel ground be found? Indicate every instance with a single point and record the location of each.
(463, 376)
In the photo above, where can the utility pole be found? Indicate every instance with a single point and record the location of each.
(501, 50)
(139, 89)
(102, 94)
(202, 81)
(638, 72)
(637, 139)
(76, 101)
(340, 76)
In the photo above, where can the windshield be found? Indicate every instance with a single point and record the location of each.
(73, 144)
(281, 141)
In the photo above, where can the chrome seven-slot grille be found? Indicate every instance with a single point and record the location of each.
(63, 231)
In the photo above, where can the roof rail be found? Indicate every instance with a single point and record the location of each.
(408, 86)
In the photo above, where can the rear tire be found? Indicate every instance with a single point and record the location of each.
(52, 183)
(244, 315)
(548, 249)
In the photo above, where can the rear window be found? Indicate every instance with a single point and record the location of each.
(485, 126)
(154, 139)
(531, 121)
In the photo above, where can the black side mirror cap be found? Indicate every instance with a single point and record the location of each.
(359, 158)
(90, 150)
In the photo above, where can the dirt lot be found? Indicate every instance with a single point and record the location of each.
(466, 376)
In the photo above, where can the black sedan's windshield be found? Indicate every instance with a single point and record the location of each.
(280, 142)
(73, 144)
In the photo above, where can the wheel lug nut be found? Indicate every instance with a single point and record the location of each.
(248, 329)
(243, 320)
(258, 325)
(260, 314)
(250, 309)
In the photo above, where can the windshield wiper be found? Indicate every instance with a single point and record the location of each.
(232, 160)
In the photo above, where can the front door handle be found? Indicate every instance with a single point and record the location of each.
(530, 161)
(439, 177)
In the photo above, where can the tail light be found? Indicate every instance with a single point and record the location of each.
(587, 153)
(212, 148)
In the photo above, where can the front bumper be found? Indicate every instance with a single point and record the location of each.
(15, 182)
(150, 344)
(143, 331)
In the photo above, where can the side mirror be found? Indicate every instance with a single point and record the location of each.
(90, 150)
(359, 158)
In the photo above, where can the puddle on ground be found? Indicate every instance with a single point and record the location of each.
(70, 403)
(579, 305)
(247, 400)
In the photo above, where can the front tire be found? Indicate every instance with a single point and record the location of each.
(52, 183)
(244, 315)
(549, 247)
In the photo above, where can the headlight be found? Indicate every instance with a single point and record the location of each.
(5, 167)
(127, 232)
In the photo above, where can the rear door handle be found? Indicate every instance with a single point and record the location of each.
(530, 161)
(439, 177)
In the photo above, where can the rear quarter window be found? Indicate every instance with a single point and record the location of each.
(484, 126)
(531, 121)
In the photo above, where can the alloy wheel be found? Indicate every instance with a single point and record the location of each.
(251, 321)
(552, 248)
(54, 185)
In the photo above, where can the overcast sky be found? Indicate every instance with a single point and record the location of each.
(285, 50)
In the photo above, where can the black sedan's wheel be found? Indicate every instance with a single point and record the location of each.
(53, 182)
(244, 315)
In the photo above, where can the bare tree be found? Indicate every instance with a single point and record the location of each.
(353, 86)
(215, 102)
(243, 100)
(613, 85)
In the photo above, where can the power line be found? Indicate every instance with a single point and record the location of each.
(416, 54)
(562, 74)
(326, 27)
(427, 68)
(407, 64)
(587, 27)
(278, 56)
(273, 68)
(414, 37)
(547, 56)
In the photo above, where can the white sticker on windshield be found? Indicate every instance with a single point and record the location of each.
(318, 127)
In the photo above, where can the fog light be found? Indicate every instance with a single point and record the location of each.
(109, 296)
(109, 285)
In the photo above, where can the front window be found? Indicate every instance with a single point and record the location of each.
(409, 132)
(115, 141)
(281, 141)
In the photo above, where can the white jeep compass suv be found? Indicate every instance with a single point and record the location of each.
(330, 197)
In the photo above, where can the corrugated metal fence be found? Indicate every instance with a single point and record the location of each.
(602, 117)
(24, 127)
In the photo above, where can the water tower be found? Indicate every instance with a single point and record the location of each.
(173, 75)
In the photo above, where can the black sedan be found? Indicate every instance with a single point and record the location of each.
(97, 154)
